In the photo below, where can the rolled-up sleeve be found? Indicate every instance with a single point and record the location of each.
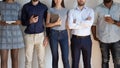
(96, 17)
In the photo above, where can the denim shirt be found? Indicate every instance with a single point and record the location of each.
(106, 32)
(27, 11)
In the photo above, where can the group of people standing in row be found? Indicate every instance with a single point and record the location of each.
(71, 29)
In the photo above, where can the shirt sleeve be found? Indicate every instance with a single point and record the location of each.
(24, 17)
(87, 23)
(81, 24)
(96, 17)
(72, 25)
(45, 14)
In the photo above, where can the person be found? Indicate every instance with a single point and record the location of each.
(33, 17)
(106, 30)
(11, 38)
(58, 32)
(80, 20)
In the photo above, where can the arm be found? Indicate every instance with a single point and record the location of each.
(24, 17)
(93, 29)
(89, 21)
(117, 23)
(94, 33)
(68, 30)
(83, 24)
(47, 30)
(48, 24)
(112, 21)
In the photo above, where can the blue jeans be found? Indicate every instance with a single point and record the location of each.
(115, 51)
(79, 44)
(60, 37)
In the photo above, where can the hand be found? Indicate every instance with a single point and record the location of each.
(95, 38)
(3, 23)
(88, 18)
(33, 19)
(18, 22)
(109, 20)
(58, 22)
(45, 42)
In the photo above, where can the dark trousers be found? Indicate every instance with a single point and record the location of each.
(60, 37)
(79, 44)
(115, 51)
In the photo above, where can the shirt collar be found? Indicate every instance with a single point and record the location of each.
(36, 5)
(105, 6)
(77, 8)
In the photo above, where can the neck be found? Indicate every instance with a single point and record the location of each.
(9, 1)
(81, 7)
(35, 3)
(58, 6)
(108, 5)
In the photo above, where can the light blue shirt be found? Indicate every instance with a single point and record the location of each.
(77, 21)
(106, 32)
(63, 16)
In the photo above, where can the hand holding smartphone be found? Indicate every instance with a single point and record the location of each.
(34, 19)
(108, 19)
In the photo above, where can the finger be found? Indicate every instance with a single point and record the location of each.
(32, 16)
(35, 17)
(59, 19)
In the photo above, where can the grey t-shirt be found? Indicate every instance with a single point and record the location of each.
(63, 16)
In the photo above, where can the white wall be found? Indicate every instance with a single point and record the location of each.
(96, 55)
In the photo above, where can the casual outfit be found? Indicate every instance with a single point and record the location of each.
(108, 34)
(10, 35)
(81, 30)
(34, 32)
(59, 34)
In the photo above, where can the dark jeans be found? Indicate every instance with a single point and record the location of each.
(79, 44)
(115, 51)
(60, 37)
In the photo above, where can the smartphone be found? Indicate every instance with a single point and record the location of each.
(107, 15)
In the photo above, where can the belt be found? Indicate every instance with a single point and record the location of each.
(58, 30)
(80, 36)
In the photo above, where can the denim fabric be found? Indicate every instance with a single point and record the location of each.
(115, 51)
(83, 44)
(60, 37)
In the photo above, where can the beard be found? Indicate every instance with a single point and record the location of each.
(35, 0)
(107, 1)
(81, 4)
